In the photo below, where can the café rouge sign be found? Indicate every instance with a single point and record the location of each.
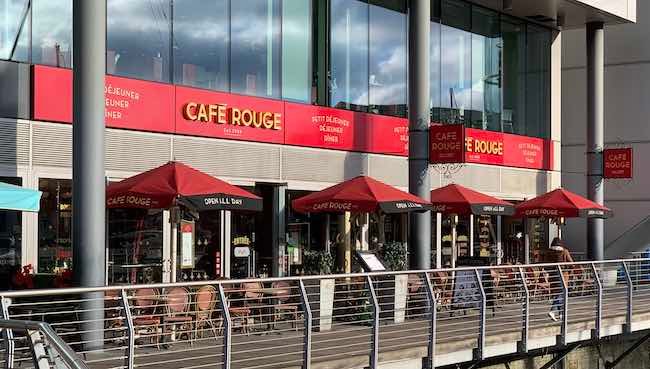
(222, 114)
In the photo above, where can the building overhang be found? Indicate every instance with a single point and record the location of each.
(567, 14)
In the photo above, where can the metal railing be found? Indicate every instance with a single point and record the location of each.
(47, 349)
(446, 316)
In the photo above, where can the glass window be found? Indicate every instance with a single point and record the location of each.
(14, 31)
(513, 115)
(200, 43)
(387, 57)
(135, 241)
(255, 47)
(538, 82)
(52, 32)
(296, 50)
(486, 70)
(456, 62)
(55, 225)
(349, 54)
(138, 38)
(10, 239)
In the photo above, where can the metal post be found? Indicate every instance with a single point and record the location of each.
(565, 308)
(227, 329)
(433, 307)
(595, 134)
(278, 229)
(374, 353)
(130, 356)
(481, 338)
(630, 298)
(526, 314)
(37, 345)
(599, 303)
(306, 308)
(88, 173)
(419, 112)
(10, 345)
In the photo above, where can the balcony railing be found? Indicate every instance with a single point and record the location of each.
(445, 316)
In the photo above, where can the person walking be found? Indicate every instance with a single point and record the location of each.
(557, 253)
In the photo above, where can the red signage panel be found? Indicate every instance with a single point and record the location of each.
(618, 163)
(484, 147)
(221, 115)
(337, 129)
(452, 143)
(129, 103)
(447, 143)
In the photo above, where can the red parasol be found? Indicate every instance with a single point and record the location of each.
(456, 199)
(162, 187)
(561, 203)
(360, 195)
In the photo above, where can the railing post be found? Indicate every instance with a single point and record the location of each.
(630, 298)
(481, 338)
(599, 303)
(565, 308)
(306, 308)
(10, 345)
(526, 314)
(433, 308)
(374, 353)
(37, 345)
(130, 356)
(227, 334)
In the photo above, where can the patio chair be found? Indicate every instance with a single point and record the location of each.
(206, 300)
(178, 312)
(284, 305)
(146, 322)
(254, 300)
(416, 296)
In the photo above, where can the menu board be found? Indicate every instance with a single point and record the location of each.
(370, 262)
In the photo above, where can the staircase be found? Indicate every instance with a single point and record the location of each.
(637, 238)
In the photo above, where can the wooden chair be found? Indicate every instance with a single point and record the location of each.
(178, 301)
(146, 322)
(284, 304)
(443, 287)
(206, 300)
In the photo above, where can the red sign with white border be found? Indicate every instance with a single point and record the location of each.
(618, 163)
(130, 103)
(447, 143)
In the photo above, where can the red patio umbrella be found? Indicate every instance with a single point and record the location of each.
(360, 195)
(176, 183)
(456, 199)
(561, 203)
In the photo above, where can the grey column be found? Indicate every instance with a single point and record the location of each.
(279, 228)
(595, 128)
(88, 199)
(419, 113)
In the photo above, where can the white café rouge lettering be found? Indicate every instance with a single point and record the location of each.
(329, 205)
(129, 200)
(222, 201)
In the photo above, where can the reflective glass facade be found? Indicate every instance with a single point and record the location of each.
(488, 70)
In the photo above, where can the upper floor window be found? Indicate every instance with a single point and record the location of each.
(138, 39)
(52, 32)
(14, 33)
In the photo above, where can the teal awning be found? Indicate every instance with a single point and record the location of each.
(19, 198)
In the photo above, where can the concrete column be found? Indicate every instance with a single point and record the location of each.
(278, 228)
(88, 173)
(419, 113)
(595, 135)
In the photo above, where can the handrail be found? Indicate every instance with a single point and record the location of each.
(69, 356)
(326, 317)
(80, 290)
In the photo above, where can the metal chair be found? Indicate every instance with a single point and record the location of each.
(146, 322)
(283, 304)
(178, 301)
(206, 300)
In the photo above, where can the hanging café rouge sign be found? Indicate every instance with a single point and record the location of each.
(453, 143)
